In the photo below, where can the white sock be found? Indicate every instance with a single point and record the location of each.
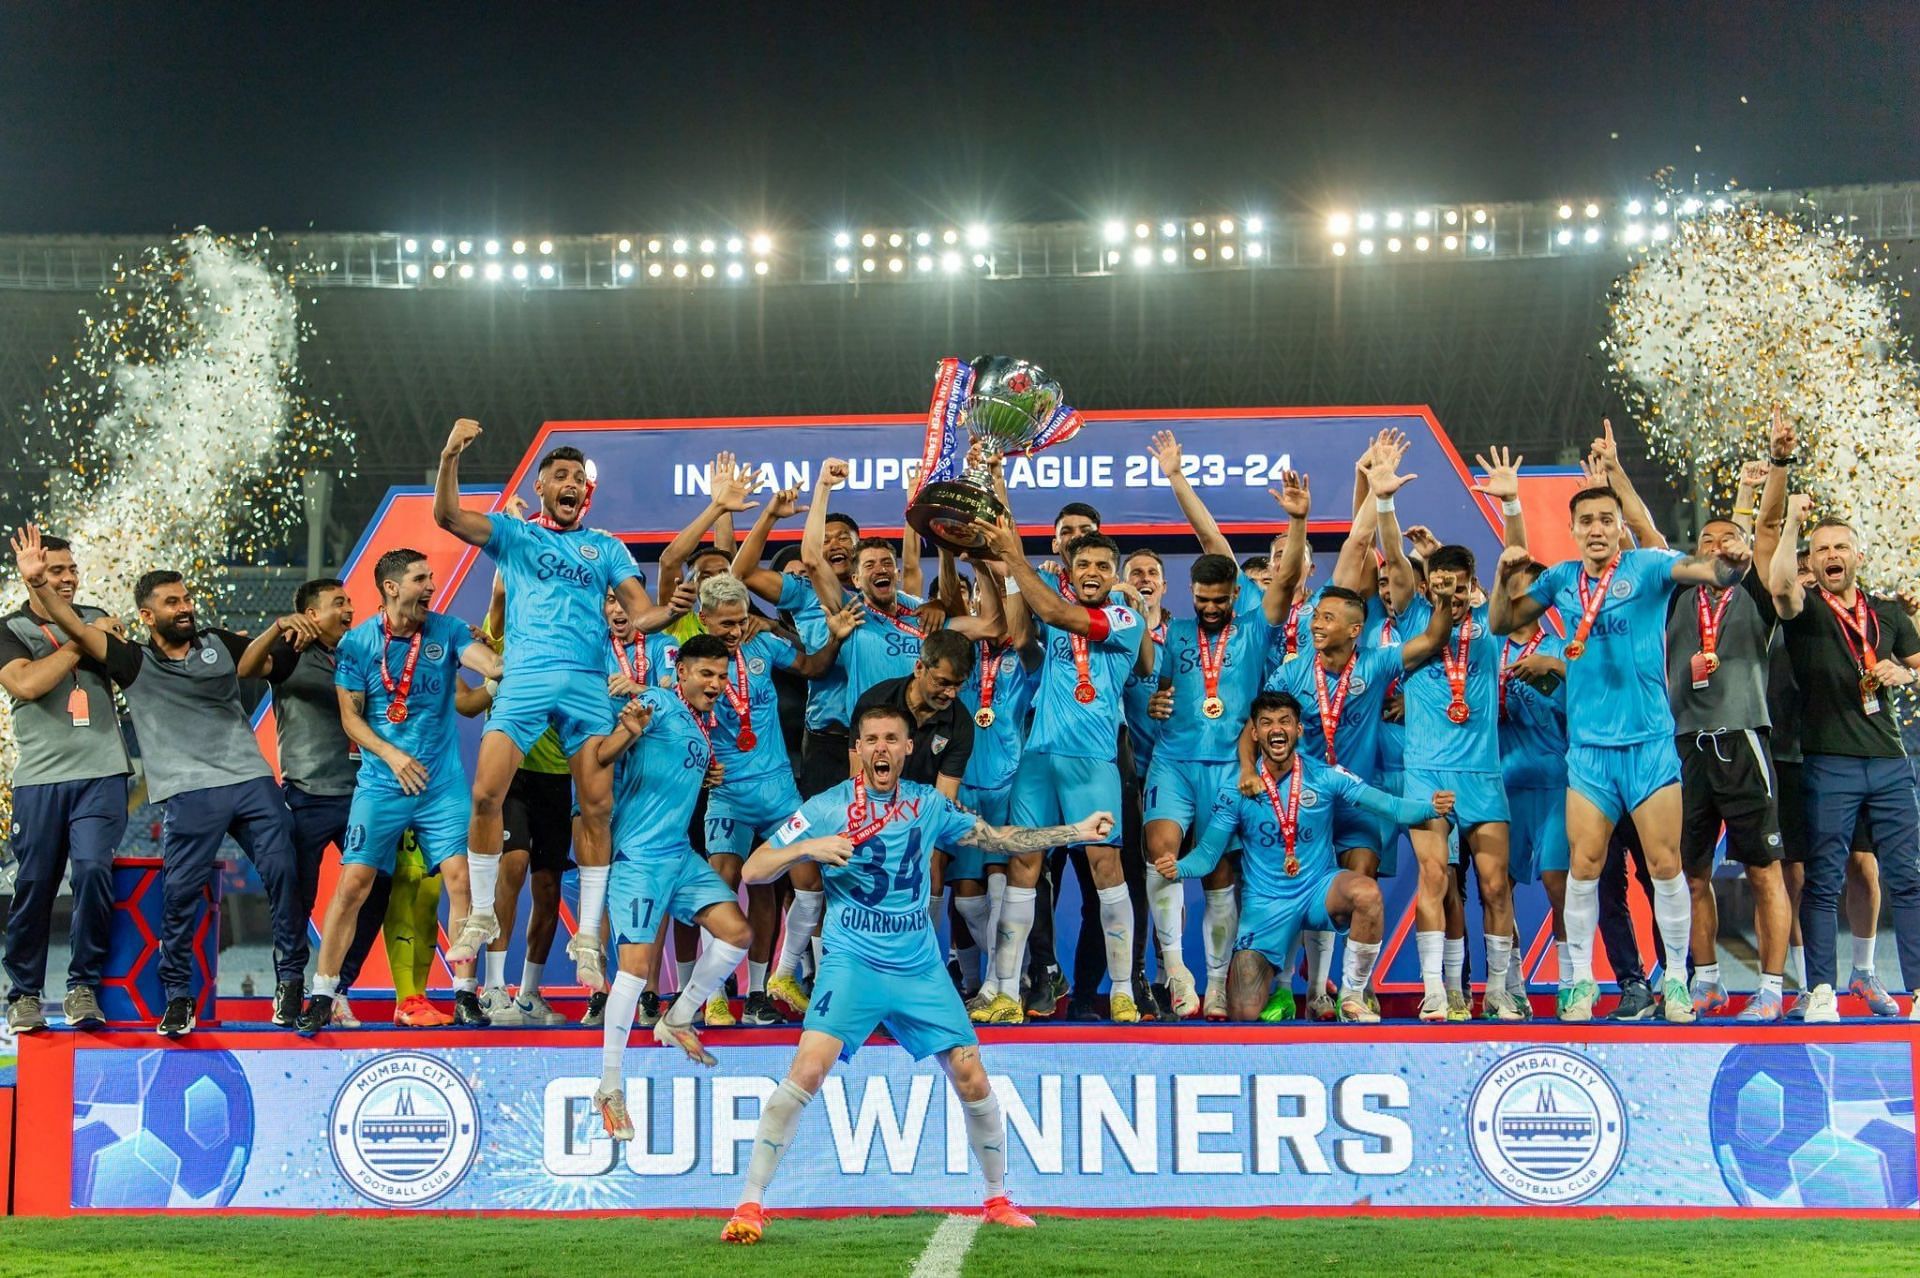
(756, 977)
(593, 897)
(996, 901)
(483, 878)
(814, 949)
(1166, 904)
(1797, 965)
(973, 912)
(464, 983)
(802, 916)
(717, 960)
(530, 975)
(1564, 963)
(496, 969)
(1010, 942)
(1430, 946)
(1357, 967)
(1770, 984)
(779, 1119)
(987, 1133)
(1116, 930)
(1708, 972)
(1673, 917)
(623, 1001)
(933, 916)
(1863, 952)
(1455, 960)
(1499, 956)
(1517, 970)
(1583, 916)
(325, 986)
(1319, 961)
(1223, 920)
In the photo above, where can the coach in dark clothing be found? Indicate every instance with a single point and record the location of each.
(942, 728)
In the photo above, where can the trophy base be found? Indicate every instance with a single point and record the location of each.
(944, 513)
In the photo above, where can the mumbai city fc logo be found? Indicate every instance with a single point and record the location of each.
(589, 552)
(1548, 1126)
(208, 656)
(434, 651)
(1621, 588)
(1309, 798)
(404, 1129)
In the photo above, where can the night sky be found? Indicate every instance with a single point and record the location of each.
(573, 118)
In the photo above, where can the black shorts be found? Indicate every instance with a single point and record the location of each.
(538, 815)
(1792, 807)
(823, 760)
(1727, 778)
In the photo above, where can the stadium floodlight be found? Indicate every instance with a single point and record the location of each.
(1451, 243)
(1691, 207)
(466, 270)
(1226, 252)
(706, 270)
(1634, 233)
(546, 270)
(841, 239)
(1142, 230)
(734, 244)
(679, 245)
(1339, 224)
(439, 246)
(626, 246)
(1453, 217)
(1566, 211)
(653, 246)
(519, 247)
(977, 235)
(1364, 221)
(546, 246)
(1424, 217)
(1393, 244)
(493, 272)
(1634, 208)
(842, 265)
(1143, 256)
(762, 244)
(979, 261)
(1169, 255)
(413, 246)
(1169, 229)
(1479, 217)
(1256, 250)
(1396, 219)
(1478, 241)
(894, 241)
(626, 270)
(706, 246)
(1592, 210)
(950, 263)
(895, 265)
(735, 270)
(1113, 257)
(466, 246)
(923, 239)
(1114, 232)
(760, 268)
(1591, 235)
(1660, 207)
(1421, 243)
(950, 236)
(1255, 225)
(1660, 232)
(653, 270)
(869, 240)
(1199, 254)
(439, 270)
(1199, 228)
(413, 270)
(867, 264)
(1339, 248)
(519, 271)
(1720, 206)
(1226, 226)
(679, 270)
(1366, 248)
(493, 248)
(1563, 237)
(923, 264)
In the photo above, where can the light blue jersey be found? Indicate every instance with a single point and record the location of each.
(827, 699)
(656, 783)
(879, 649)
(766, 754)
(1533, 731)
(429, 732)
(648, 660)
(557, 584)
(1382, 630)
(1435, 742)
(1190, 734)
(1252, 821)
(1620, 680)
(877, 901)
(1293, 637)
(1356, 743)
(1062, 724)
(997, 747)
(1143, 730)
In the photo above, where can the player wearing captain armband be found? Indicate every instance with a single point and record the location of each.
(871, 839)
(1291, 878)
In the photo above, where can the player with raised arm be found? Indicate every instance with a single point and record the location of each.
(557, 574)
(871, 838)
(1620, 756)
(399, 670)
(1291, 878)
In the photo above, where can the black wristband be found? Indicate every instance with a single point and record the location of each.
(1782, 461)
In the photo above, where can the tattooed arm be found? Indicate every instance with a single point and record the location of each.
(1020, 840)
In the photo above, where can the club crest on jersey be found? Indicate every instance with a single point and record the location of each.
(1356, 685)
(1621, 588)
(1122, 616)
(796, 825)
(756, 665)
(434, 651)
(589, 551)
(1309, 798)
(208, 656)
(939, 743)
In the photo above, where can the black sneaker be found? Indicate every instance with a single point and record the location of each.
(286, 1003)
(467, 1009)
(1043, 1000)
(1080, 1008)
(955, 975)
(1153, 1001)
(596, 1013)
(1636, 1002)
(318, 1016)
(179, 1020)
(759, 1010)
(647, 1016)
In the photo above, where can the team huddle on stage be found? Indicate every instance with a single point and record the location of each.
(1275, 741)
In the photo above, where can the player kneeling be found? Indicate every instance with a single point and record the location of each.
(664, 755)
(873, 836)
(1290, 878)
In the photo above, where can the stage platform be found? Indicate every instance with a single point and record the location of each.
(1185, 1118)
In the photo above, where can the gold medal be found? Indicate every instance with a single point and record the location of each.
(1213, 707)
(1868, 684)
(1712, 661)
(1574, 650)
(984, 716)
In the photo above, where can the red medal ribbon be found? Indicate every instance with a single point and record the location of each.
(739, 696)
(397, 693)
(1590, 605)
(862, 824)
(1211, 660)
(1293, 629)
(1287, 814)
(1853, 628)
(896, 619)
(1083, 691)
(989, 671)
(1159, 632)
(1386, 641)
(705, 725)
(1710, 622)
(1332, 708)
(1506, 667)
(636, 671)
(1454, 657)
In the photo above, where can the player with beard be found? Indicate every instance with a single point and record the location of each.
(400, 670)
(202, 762)
(69, 798)
(1620, 756)
(1292, 878)
(1848, 650)
(557, 573)
(1070, 760)
(872, 837)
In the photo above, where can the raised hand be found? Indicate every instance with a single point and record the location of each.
(1798, 505)
(1421, 538)
(785, 504)
(1754, 473)
(1384, 477)
(1593, 472)
(684, 597)
(833, 473)
(1294, 496)
(1166, 450)
(516, 506)
(30, 556)
(1782, 434)
(464, 432)
(635, 716)
(1503, 474)
(731, 484)
(850, 617)
(1000, 538)
(1604, 448)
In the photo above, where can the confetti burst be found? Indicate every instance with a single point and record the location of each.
(1743, 309)
(179, 432)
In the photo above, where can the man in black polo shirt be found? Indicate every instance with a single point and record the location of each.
(942, 729)
(1847, 651)
(69, 799)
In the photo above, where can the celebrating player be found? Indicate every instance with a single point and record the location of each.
(871, 838)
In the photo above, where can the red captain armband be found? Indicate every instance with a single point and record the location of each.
(1098, 627)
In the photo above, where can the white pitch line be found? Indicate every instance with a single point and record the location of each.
(947, 1250)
